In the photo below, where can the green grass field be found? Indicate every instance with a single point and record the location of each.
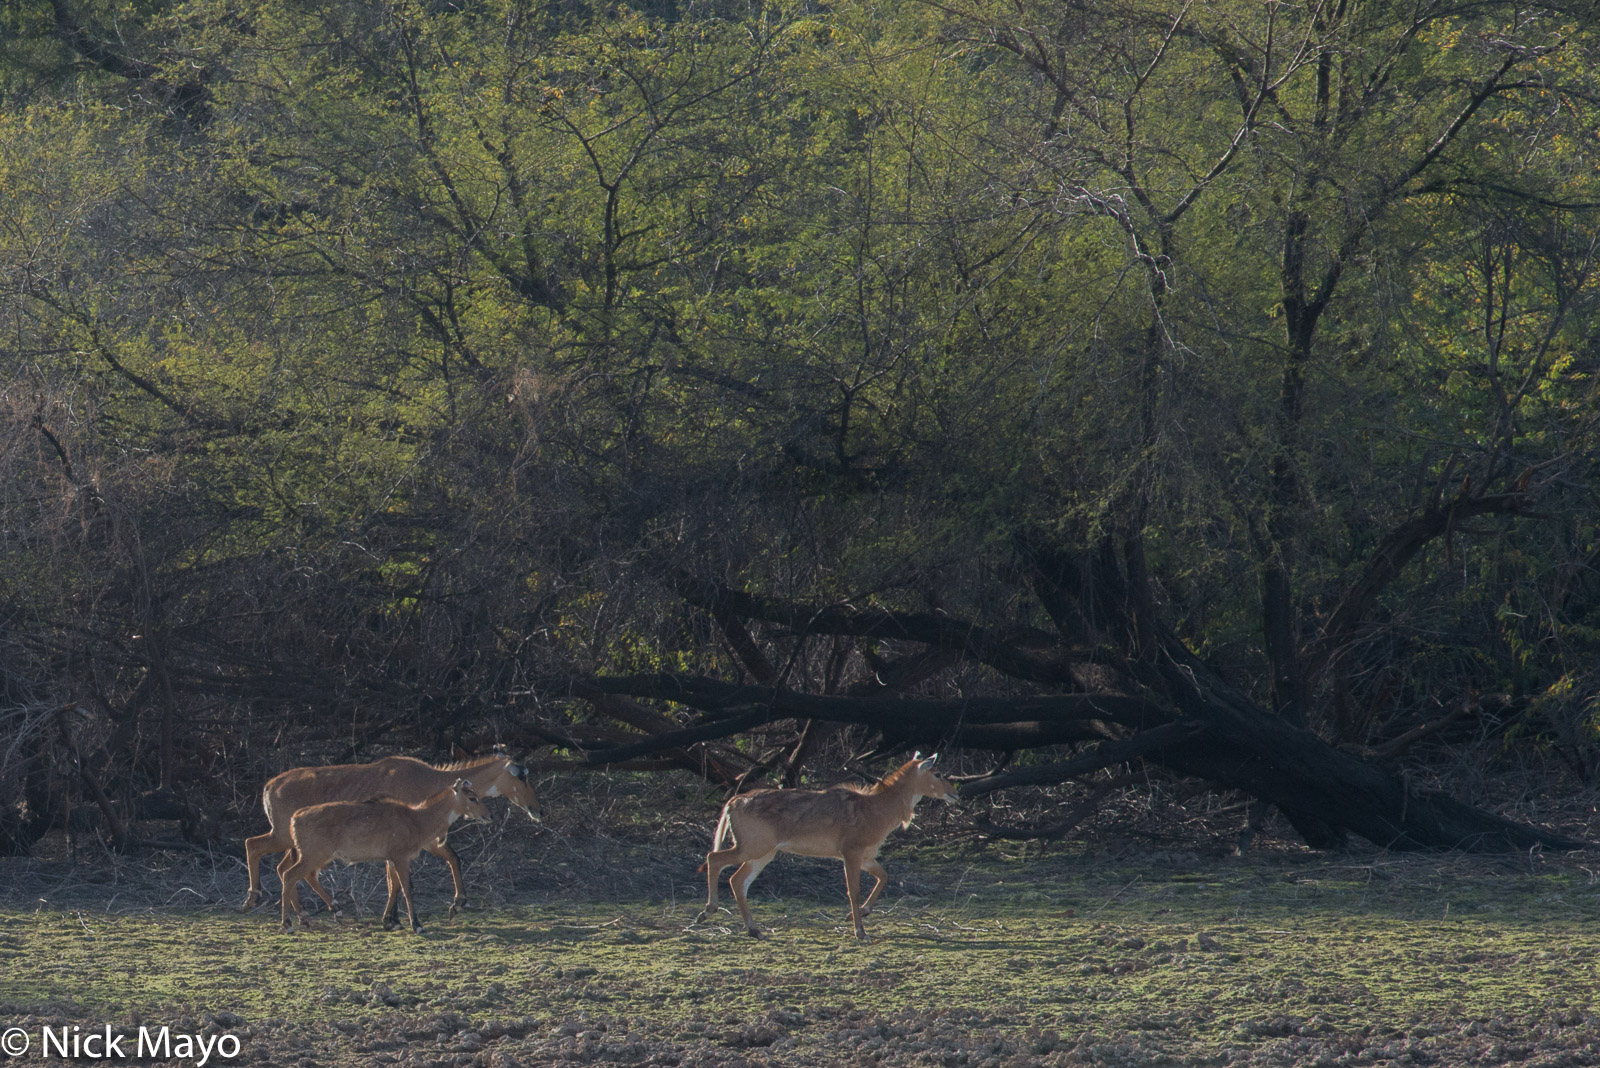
(990, 958)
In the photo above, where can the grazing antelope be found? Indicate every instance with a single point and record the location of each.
(845, 821)
(402, 778)
(379, 829)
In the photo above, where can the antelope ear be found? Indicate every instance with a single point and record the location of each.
(517, 771)
(924, 765)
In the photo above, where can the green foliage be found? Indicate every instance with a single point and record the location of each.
(450, 329)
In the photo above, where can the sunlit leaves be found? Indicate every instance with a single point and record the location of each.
(833, 299)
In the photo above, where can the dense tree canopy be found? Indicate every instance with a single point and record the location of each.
(384, 372)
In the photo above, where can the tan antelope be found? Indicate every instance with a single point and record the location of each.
(380, 829)
(845, 821)
(402, 778)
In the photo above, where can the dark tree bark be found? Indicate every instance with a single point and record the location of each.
(190, 98)
(1393, 553)
(1153, 700)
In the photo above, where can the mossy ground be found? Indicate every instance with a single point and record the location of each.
(982, 955)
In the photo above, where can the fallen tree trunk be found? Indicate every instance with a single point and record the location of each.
(1137, 692)
(1325, 792)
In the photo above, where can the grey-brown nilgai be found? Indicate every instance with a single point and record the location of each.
(402, 778)
(846, 821)
(380, 829)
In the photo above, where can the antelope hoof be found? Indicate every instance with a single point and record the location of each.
(705, 914)
(390, 923)
(457, 906)
(416, 928)
(755, 933)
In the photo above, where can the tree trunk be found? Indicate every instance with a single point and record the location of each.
(1156, 702)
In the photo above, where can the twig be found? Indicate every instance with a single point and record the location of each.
(1055, 830)
(1399, 745)
(1116, 895)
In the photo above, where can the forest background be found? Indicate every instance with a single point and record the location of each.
(1207, 384)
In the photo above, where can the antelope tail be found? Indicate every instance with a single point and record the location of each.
(266, 805)
(719, 837)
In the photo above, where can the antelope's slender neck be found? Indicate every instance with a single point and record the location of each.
(445, 805)
(897, 796)
(889, 787)
(898, 781)
(486, 773)
(497, 761)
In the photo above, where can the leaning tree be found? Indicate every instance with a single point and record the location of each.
(1324, 233)
(1206, 385)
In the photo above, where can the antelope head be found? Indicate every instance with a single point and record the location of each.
(928, 783)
